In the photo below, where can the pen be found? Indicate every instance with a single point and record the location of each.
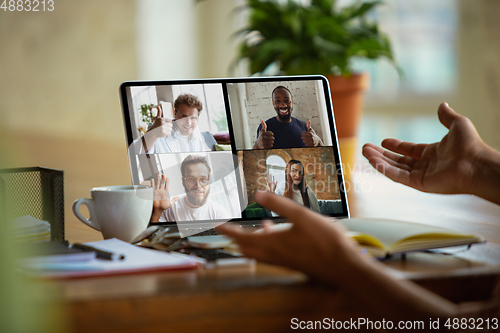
(99, 253)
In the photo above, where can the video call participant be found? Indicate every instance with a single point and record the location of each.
(195, 204)
(180, 135)
(295, 186)
(285, 131)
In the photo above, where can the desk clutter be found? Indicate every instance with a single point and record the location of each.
(130, 259)
(163, 249)
(156, 249)
(33, 199)
(29, 229)
(37, 192)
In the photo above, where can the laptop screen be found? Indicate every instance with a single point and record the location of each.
(207, 146)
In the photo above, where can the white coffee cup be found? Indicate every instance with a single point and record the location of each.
(121, 212)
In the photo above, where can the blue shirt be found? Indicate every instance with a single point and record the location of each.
(286, 135)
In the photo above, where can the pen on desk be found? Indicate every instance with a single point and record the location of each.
(99, 253)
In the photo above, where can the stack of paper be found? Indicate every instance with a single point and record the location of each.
(136, 260)
(43, 253)
(29, 229)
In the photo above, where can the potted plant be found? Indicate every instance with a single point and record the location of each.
(317, 38)
(146, 116)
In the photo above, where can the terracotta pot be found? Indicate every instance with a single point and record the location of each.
(347, 99)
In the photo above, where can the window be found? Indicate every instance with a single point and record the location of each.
(424, 39)
(423, 35)
(213, 116)
(276, 166)
(142, 96)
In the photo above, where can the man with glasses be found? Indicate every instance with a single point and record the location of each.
(195, 204)
(179, 135)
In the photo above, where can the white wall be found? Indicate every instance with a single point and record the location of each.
(60, 70)
(479, 55)
(167, 40)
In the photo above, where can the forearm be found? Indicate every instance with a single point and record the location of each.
(398, 298)
(387, 297)
(148, 141)
(486, 179)
(258, 144)
(155, 215)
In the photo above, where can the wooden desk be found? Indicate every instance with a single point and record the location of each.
(265, 298)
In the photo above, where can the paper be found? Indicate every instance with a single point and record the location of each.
(41, 253)
(136, 259)
(29, 229)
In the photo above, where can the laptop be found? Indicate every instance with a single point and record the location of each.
(209, 145)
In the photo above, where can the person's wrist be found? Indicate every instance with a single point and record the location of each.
(151, 134)
(155, 216)
(155, 135)
(344, 260)
(486, 174)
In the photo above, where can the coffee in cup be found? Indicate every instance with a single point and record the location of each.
(121, 212)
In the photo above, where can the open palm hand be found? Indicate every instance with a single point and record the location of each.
(271, 183)
(447, 166)
(161, 200)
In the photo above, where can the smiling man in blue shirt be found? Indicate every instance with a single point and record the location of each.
(285, 131)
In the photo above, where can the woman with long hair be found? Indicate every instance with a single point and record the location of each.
(295, 186)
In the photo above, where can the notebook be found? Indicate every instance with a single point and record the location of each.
(383, 238)
(218, 141)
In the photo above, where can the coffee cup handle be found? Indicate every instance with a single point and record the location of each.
(91, 221)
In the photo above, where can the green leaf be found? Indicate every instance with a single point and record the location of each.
(307, 39)
(358, 10)
(325, 6)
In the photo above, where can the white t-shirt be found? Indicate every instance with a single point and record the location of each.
(175, 143)
(180, 211)
(183, 141)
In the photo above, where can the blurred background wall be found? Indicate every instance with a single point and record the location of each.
(60, 72)
(449, 52)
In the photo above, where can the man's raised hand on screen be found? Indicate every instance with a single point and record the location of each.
(310, 138)
(161, 200)
(161, 127)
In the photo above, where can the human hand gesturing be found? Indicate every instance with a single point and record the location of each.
(448, 166)
(312, 244)
(271, 183)
(310, 138)
(161, 200)
(161, 127)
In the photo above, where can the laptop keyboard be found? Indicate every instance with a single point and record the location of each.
(210, 232)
